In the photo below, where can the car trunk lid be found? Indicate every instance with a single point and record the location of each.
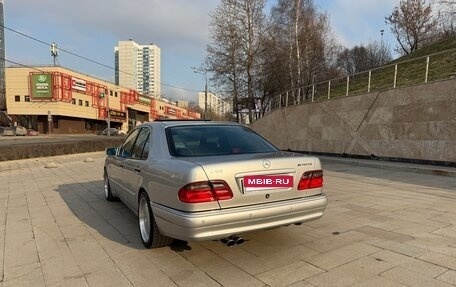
(239, 170)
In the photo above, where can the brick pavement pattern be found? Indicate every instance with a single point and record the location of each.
(381, 228)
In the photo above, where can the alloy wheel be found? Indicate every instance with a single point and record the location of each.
(144, 219)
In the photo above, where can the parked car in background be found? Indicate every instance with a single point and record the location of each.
(9, 131)
(21, 131)
(13, 131)
(112, 132)
(32, 132)
(199, 180)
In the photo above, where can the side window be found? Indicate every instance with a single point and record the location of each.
(145, 153)
(127, 147)
(140, 143)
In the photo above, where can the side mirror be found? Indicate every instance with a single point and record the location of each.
(110, 151)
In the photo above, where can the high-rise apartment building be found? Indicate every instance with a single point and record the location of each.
(138, 67)
(214, 103)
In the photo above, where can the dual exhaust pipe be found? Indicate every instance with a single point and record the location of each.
(232, 240)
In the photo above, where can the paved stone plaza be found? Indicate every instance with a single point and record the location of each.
(383, 227)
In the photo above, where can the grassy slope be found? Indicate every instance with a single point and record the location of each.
(411, 69)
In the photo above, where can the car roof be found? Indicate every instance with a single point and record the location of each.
(171, 123)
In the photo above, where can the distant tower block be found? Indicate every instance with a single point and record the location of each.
(138, 67)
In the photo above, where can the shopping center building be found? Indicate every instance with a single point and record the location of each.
(54, 99)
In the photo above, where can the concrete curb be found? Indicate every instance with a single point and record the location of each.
(14, 151)
(406, 167)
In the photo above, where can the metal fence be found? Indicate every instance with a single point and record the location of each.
(438, 66)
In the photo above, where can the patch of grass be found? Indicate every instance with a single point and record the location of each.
(434, 48)
(411, 70)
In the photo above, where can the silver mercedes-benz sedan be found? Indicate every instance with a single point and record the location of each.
(202, 180)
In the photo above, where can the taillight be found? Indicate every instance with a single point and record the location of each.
(311, 179)
(205, 191)
(222, 190)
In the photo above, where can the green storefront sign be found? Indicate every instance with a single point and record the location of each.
(42, 86)
(145, 100)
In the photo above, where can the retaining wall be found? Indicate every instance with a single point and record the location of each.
(417, 123)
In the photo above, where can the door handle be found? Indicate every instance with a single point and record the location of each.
(137, 170)
(121, 165)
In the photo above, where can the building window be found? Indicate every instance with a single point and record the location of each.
(110, 92)
(17, 98)
(80, 102)
(115, 94)
(56, 124)
(87, 103)
(27, 98)
(73, 101)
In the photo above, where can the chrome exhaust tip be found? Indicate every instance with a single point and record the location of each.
(232, 240)
(228, 241)
(237, 239)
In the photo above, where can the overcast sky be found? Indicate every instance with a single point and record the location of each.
(92, 28)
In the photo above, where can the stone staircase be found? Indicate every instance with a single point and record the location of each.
(5, 120)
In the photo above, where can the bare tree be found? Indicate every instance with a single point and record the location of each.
(345, 61)
(379, 54)
(234, 56)
(412, 24)
(303, 34)
(252, 21)
(362, 58)
(224, 53)
(446, 17)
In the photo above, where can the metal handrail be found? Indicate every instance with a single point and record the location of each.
(335, 84)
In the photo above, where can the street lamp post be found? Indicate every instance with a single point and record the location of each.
(108, 117)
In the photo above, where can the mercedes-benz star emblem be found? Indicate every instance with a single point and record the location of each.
(266, 163)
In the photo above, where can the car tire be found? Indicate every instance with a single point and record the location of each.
(148, 229)
(107, 188)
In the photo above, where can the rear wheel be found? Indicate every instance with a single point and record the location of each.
(150, 235)
(107, 188)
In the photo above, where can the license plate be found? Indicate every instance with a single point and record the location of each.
(267, 182)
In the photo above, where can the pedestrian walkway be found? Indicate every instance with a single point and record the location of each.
(382, 227)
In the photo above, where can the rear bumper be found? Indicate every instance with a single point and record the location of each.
(208, 225)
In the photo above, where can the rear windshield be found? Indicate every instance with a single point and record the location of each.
(215, 140)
